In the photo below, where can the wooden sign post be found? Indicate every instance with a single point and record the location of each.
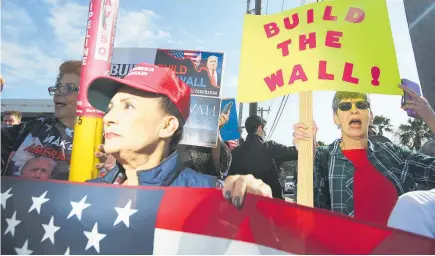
(305, 194)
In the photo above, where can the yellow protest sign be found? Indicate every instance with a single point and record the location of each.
(333, 45)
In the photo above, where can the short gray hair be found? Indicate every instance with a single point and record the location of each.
(341, 95)
(212, 57)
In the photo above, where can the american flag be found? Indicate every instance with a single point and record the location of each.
(52, 217)
(183, 54)
(232, 144)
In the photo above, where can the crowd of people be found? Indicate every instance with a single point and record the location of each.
(372, 180)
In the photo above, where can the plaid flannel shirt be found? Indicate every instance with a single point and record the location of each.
(334, 173)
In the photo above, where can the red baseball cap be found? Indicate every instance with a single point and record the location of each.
(144, 77)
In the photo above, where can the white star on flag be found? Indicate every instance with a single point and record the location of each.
(24, 250)
(5, 196)
(124, 214)
(50, 229)
(67, 251)
(78, 207)
(12, 223)
(94, 238)
(37, 202)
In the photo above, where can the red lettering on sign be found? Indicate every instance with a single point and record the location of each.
(274, 80)
(284, 46)
(327, 15)
(298, 73)
(333, 39)
(293, 23)
(310, 16)
(304, 41)
(271, 29)
(355, 15)
(322, 71)
(183, 70)
(102, 51)
(347, 74)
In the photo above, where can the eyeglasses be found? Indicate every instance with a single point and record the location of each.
(65, 89)
(346, 106)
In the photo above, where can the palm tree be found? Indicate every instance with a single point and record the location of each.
(382, 124)
(321, 143)
(414, 133)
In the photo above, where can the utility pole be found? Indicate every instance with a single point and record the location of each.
(261, 110)
(248, 11)
(254, 105)
(240, 117)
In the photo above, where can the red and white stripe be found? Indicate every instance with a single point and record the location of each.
(232, 144)
(190, 55)
(205, 223)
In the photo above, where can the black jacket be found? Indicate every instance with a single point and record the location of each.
(262, 159)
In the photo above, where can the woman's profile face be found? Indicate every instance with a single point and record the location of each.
(132, 122)
(353, 116)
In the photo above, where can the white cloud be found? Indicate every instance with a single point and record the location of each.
(24, 25)
(133, 28)
(23, 63)
(28, 65)
(217, 33)
(230, 83)
(69, 23)
(138, 28)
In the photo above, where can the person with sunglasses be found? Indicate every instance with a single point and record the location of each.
(359, 177)
(49, 137)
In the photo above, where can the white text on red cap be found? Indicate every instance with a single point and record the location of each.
(140, 71)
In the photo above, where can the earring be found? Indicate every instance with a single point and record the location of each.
(338, 126)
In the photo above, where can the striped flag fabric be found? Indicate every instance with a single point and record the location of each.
(232, 144)
(183, 54)
(54, 217)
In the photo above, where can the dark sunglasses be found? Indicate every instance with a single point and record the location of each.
(346, 106)
(65, 89)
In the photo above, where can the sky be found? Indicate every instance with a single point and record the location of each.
(38, 35)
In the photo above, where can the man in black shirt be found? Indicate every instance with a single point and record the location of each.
(261, 158)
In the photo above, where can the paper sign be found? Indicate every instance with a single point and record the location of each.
(201, 71)
(201, 128)
(333, 45)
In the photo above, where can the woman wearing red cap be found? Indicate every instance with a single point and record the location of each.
(145, 114)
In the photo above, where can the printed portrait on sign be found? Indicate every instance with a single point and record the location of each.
(201, 71)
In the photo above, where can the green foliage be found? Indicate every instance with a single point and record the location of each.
(382, 124)
(414, 133)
